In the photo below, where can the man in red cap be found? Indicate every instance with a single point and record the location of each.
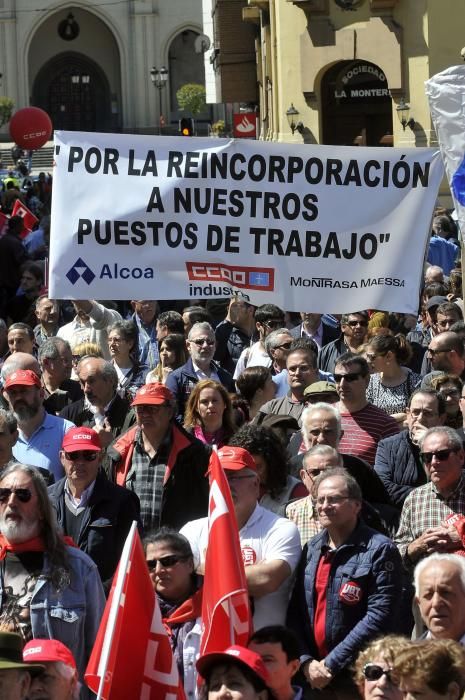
(59, 679)
(94, 512)
(223, 672)
(165, 466)
(270, 545)
(39, 433)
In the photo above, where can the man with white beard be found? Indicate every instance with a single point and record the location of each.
(48, 590)
(40, 434)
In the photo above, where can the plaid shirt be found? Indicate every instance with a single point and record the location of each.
(303, 514)
(425, 508)
(146, 477)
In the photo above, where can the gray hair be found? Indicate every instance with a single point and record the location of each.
(24, 361)
(353, 489)
(322, 451)
(438, 558)
(201, 327)
(455, 442)
(9, 419)
(320, 406)
(50, 348)
(271, 340)
(106, 369)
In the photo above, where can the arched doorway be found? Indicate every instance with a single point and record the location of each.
(186, 65)
(356, 105)
(74, 92)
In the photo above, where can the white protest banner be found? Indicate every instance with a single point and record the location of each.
(320, 228)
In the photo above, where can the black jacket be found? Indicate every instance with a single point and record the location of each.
(330, 353)
(182, 380)
(120, 415)
(329, 333)
(398, 465)
(107, 519)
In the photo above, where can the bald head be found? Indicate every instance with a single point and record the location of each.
(20, 360)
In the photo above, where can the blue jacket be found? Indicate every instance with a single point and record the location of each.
(72, 614)
(363, 594)
(398, 465)
(182, 380)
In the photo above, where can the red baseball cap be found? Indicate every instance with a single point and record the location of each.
(22, 377)
(81, 439)
(153, 394)
(48, 650)
(244, 656)
(236, 458)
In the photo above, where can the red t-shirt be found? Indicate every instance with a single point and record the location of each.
(321, 585)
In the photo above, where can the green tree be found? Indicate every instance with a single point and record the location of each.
(6, 109)
(191, 98)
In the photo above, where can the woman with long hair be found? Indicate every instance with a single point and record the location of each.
(392, 383)
(209, 414)
(123, 347)
(173, 354)
(256, 386)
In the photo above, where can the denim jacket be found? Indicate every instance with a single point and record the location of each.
(73, 614)
(362, 597)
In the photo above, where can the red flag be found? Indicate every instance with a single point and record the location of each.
(29, 220)
(226, 614)
(132, 655)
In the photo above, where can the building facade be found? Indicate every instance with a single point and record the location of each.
(88, 64)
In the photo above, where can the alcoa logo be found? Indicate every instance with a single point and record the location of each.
(80, 270)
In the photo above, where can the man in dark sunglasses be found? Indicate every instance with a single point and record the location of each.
(201, 345)
(268, 318)
(429, 511)
(364, 424)
(354, 328)
(94, 512)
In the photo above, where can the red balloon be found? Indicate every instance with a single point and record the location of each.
(30, 128)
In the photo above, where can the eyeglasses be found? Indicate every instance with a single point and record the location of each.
(330, 500)
(85, 455)
(23, 495)
(349, 377)
(441, 455)
(373, 672)
(203, 341)
(284, 346)
(166, 562)
(313, 472)
(352, 324)
(76, 359)
(433, 352)
(449, 393)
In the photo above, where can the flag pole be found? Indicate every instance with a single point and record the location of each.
(115, 603)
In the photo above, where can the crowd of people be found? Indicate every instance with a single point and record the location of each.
(342, 441)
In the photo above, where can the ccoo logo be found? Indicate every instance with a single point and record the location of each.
(80, 270)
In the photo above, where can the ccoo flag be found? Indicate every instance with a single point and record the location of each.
(446, 94)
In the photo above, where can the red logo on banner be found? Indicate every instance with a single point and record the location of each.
(245, 125)
(259, 278)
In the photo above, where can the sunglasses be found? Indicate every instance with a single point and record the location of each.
(166, 562)
(352, 324)
(441, 455)
(373, 672)
(284, 346)
(203, 341)
(349, 377)
(82, 454)
(23, 495)
(432, 352)
(314, 472)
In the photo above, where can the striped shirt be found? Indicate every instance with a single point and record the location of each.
(363, 430)
(425, 508)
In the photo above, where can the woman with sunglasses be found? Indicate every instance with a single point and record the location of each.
(392, 383)
(124, 349)
(179, 589)
(209, 414)
(373, 668)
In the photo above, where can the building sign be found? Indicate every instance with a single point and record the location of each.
(361, 81)
(245, 125)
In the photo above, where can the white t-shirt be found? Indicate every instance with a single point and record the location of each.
(264, 537)
(253, 356)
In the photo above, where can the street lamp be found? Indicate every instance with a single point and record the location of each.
(292, 113)
(403, 113)
(159, 77)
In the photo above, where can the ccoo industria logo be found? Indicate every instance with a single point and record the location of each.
(259, 278)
